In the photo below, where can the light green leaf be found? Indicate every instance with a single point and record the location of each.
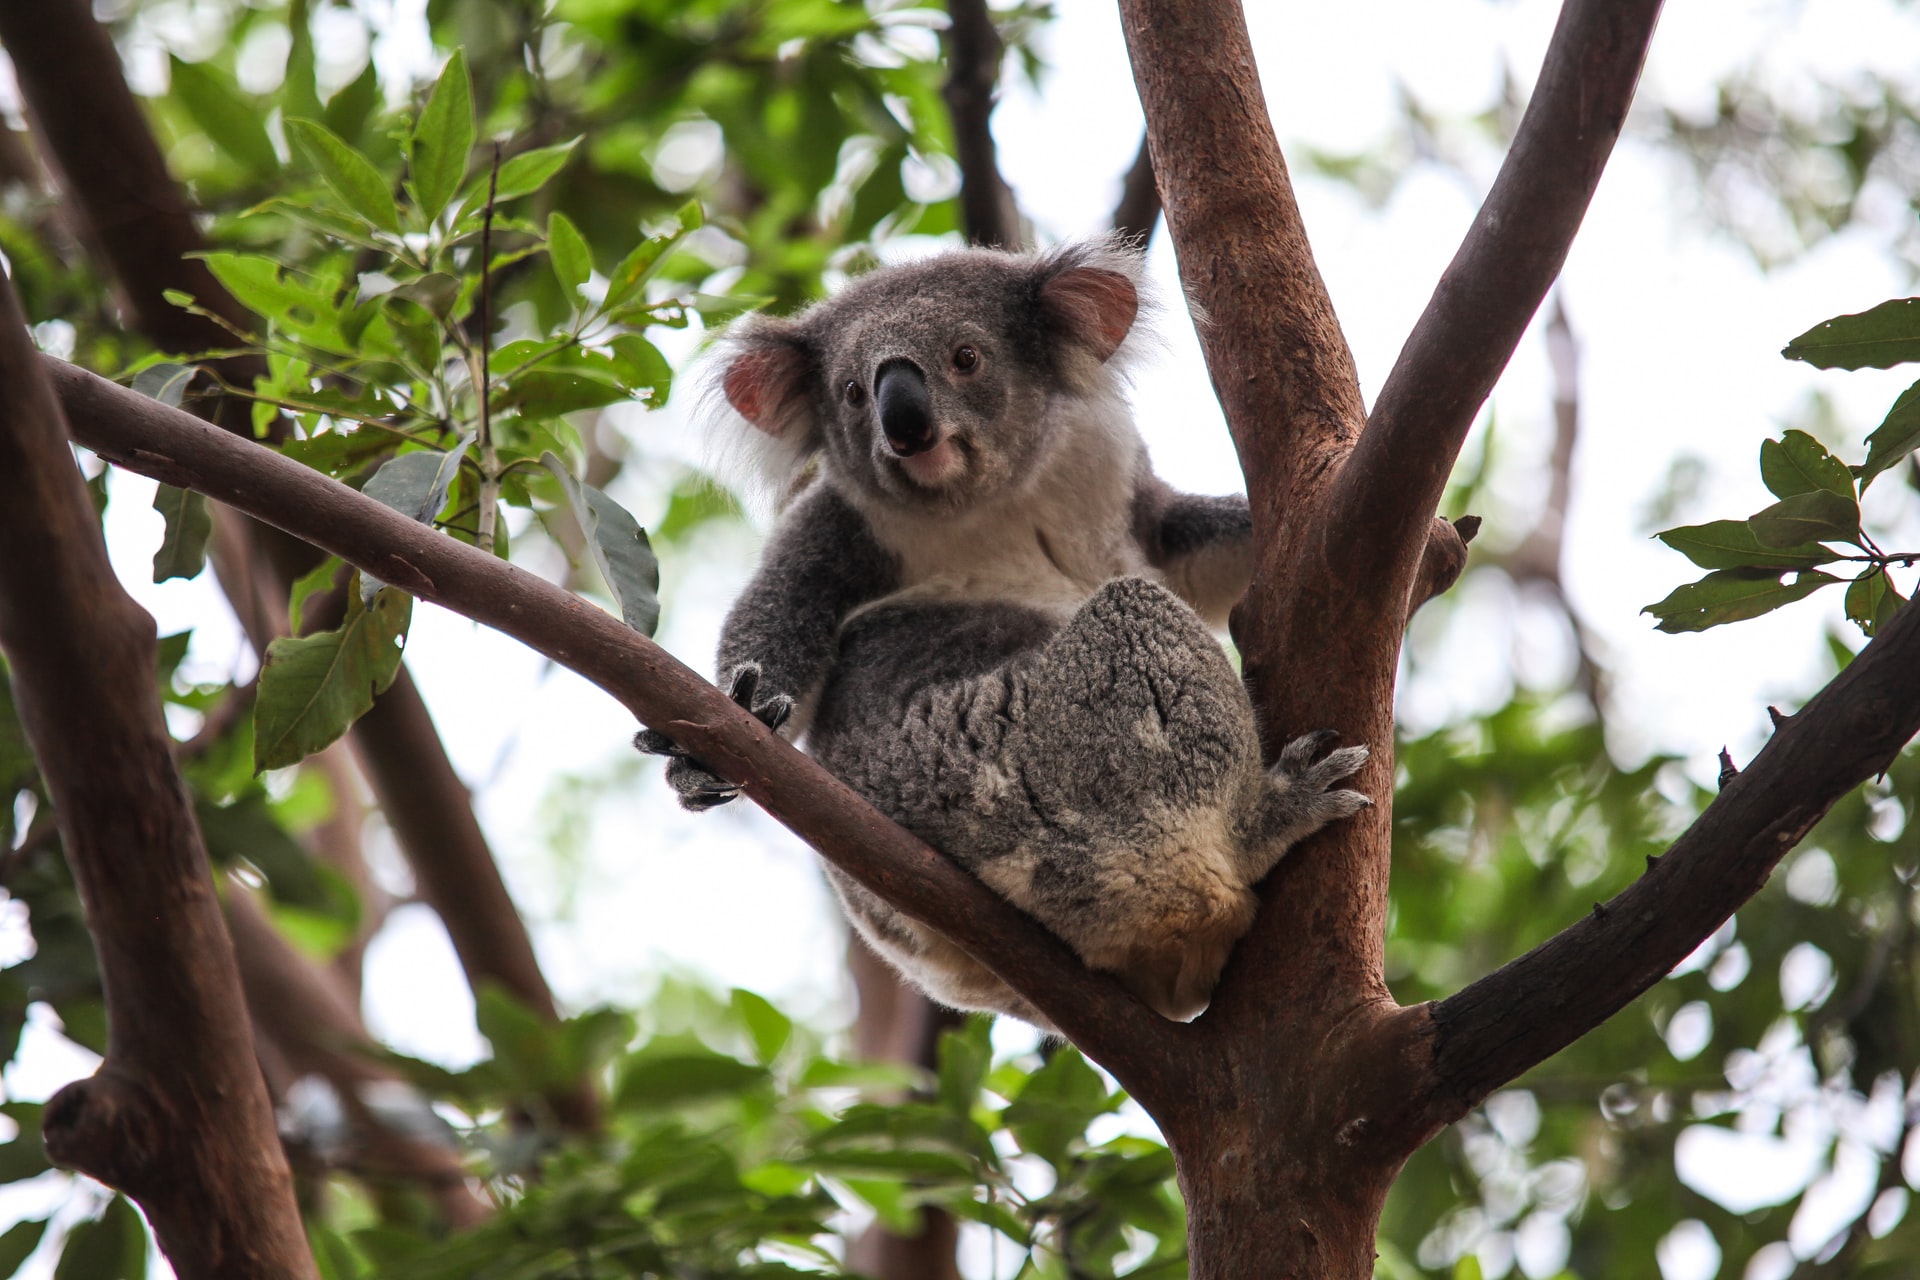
(350, 174)
(769, 1027)
(311, 689)
(183, 549)
(1797, 463)
(233, 124)
(619, 546)
(1877, 338)
(1731, 595)
(1807, 517)
(640, 365)
(666, 1080)
(1730, 544)
(524, 174)
(572, 259)
(637, 268)
(443, 138)
(1896, 437)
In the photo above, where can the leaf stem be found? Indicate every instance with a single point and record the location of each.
(489, 458)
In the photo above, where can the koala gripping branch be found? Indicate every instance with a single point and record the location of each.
(167, 444)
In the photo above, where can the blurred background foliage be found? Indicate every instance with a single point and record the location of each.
(1753, 1116)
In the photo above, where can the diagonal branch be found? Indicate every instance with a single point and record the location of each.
(1498, 1027)
(974, 49)
(1488, 294)
(177, 1116)
(148, 437)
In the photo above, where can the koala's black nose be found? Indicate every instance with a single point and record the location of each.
(906, 411)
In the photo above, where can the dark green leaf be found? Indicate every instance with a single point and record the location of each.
(1807, 517)
(323, 577)
(348, 111)
(1872, 602)
(443, 138)
(548, 393)
(1896, 436)
(1731, 595)
(437, 292)
(1797, 463)
(233, 124)
(572, 259)
(21, 1239)
(112, 1247)
(311, 689)
(183, 548)
(769, 1027)
(416, 484)
(965, 1054)
(641, 365)
(1877, 338)
(670, 1079)
(164, 382)
(24, 1157)
(1730, 544)
(350, 174)
(619, 547)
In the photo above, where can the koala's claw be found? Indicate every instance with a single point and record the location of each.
(1307, 785)
(698, 787)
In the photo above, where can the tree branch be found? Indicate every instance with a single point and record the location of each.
(177, 1116)
(1092, 1009)
(1501, 1025)
(974, 48)
(1139, 209)
(1488, 294)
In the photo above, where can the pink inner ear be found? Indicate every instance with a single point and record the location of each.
(759, 382)
(1097, 306)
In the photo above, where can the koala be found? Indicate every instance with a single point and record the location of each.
(988, 616)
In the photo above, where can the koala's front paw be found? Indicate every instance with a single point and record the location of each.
(698, 787)
(1302, 782)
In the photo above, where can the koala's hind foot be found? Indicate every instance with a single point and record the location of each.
(1300, 796)
(698, 787)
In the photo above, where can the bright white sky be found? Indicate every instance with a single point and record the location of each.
(1679, 335)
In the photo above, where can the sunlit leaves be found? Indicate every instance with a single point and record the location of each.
(232, 123)
(312, 688)
(443, 138)
(351, 176)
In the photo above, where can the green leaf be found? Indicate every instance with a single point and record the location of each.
(668, 1080)
(416, 484)
(965, 1054)
(1058, 1102)
(619, 547)
(348, 111)
(1797, 463)
(640, 365)
(322, 577)
(1731, 595)
(1807, 517)
(1896, 437)
(21, 1239)
(549, 393)
(112, 1247)
(443, 138)
(312, 688)
(524, 174)
(1877, 338)
(437, 291)
(1730, 544)
(770, 1028)
(164, 382)
(24, 1157)
(572, 259)
(183, 549)
(232, 123)
(1872, 602)
(350, 174)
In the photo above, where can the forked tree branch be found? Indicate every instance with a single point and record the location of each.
(1092, 1009)
(974, 48)
(1510, 258)
(177, 1115)
(1520, 1015)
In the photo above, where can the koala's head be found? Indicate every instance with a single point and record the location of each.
(936, 383)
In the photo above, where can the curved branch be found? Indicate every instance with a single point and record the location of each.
(1488, 294)
(148, 437)
(177, 1116)
(1498, 1027)
(974, 48)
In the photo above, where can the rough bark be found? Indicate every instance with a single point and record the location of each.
(177, 1115)
(148, 437)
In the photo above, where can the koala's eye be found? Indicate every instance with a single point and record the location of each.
(965, 358)
(855, 392)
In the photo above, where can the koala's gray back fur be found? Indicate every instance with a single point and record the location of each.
(998, 645)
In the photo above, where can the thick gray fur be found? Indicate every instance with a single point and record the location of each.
(1002, 642)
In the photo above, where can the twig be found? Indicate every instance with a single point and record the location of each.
(483, 391)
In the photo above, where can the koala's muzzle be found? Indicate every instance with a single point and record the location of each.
(906, 410)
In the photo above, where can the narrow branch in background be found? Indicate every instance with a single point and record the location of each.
(1504, 267)
(143, 435)
(1508, 1021)
(1139, 209)
(483, 389)
(180, 1122)
(974, 50)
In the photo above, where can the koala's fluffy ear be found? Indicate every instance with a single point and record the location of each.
(765, 380)
(1094, 304)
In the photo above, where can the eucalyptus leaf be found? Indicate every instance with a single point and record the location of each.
(416, 485)
(1797, 463)
(183, 548)
(166, 383)
(619, 546)
(443, 138)
(523, 175)
(350, 174)
(571, 257)
(1896, 436)
(1730, 595)
(1872, 601)
(1730, 544)
(312, 688)
(232, 123)
(1877, 338)
(1818, 516)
